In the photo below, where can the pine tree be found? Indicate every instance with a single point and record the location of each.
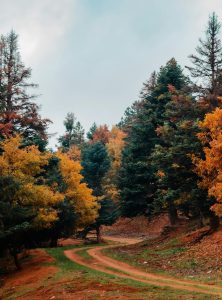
(91, 131)
(95, 162)
(177, 186)
(207, 63)
(137, 179)
(18, 112)
(149, 86)
(74, 133)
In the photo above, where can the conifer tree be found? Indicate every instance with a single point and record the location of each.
(177, 186)
(74, 133)
(207, 62)
(91, 131)
(18, 112)
(96, 164)
(137, 180)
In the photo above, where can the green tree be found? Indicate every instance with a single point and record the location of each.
(74, 133)
(15, 219)
(207, 63)
(91, 131)
(96, 163)
(137, 179)
(177, 186)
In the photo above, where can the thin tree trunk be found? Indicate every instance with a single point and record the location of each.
(214, 221)
(173, 216)
(98, 234)
(16, 260)
(200, 220)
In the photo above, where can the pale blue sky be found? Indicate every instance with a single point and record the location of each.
(90, 57)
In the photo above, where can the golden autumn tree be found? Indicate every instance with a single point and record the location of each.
(25, 164)
(27, 205)
(74, 153)
(77, 192)
(114, 147)
(210, 168)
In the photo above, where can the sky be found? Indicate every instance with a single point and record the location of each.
(90, 57)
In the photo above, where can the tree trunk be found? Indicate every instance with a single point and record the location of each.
(54, 240)
(200, 220)
(214, 221)
(98, 234)
(172, 214)
(16, 260)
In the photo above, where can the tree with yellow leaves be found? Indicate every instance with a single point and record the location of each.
(77, 192)
(114, 148)
(209, 168)
(25, 165)
(25, 204)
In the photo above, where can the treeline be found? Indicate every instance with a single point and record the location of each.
(42, 193)
(164, 155)
(168, 147)
(172, 156)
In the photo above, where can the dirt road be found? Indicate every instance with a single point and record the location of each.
(100, 262)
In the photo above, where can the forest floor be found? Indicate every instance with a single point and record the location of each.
(169, 266)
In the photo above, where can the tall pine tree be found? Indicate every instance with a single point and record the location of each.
(18, 112)
(137, 180)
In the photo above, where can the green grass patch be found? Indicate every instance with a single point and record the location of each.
(68, 267)
(84, 254)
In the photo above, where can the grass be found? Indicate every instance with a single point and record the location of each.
(162, 259)
(84, 254)
(67, 267)
(18, 293)
(71, 276)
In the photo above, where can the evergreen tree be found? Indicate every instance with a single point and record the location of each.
(177, 185)
(74, 135)
(149, 86)
(95, 162)
(207, 63)
(18, 112)
(137, 180)
(130, 115)
(91, 131)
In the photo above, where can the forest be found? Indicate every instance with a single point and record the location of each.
(164, 155)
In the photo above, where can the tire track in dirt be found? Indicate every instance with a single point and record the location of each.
(101, 262)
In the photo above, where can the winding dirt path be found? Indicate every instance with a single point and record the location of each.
(100, 262)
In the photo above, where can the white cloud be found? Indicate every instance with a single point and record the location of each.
(91, 56)
(40, 24)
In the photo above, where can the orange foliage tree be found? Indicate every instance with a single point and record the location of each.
(114, 147)
(77, 192)
(101, 134)
(210, 168)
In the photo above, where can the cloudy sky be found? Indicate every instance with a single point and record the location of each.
(90, 57)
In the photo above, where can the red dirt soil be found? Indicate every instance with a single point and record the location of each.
(137, 227)
(33, 271)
